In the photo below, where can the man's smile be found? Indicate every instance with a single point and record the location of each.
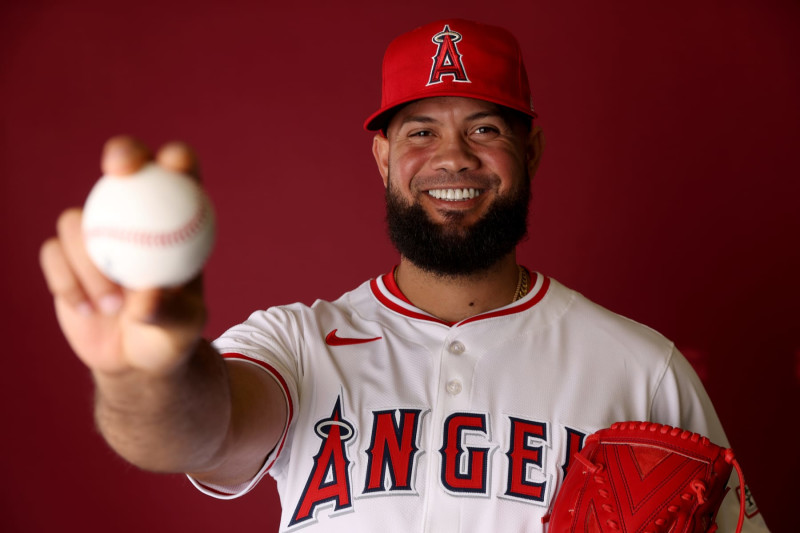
(453, 195)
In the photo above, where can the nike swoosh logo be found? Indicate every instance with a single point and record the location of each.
(332, 339)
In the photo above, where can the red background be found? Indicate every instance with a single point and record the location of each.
(667, 192)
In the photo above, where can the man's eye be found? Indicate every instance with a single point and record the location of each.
(486, 130)
(420, 133)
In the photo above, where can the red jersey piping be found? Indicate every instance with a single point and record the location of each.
(269, 368)
(392, 288)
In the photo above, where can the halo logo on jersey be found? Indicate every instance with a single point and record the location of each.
(447, 61)
(329, 481)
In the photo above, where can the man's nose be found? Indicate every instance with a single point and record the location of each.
(454, 155)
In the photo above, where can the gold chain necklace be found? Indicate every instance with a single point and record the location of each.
(522, 284)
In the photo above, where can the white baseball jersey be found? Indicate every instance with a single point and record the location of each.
(399, 421)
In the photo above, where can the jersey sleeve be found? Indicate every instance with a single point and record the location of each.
(682, 401)
(271, 341)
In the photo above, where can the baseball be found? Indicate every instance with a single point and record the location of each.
(151, 229)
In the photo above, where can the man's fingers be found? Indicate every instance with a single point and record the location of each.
(123, 155)
(70, 273)
(60, 278)
(102, 293)
(179, 157)
(174, 308)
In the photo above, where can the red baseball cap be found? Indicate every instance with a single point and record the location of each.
(453, 57)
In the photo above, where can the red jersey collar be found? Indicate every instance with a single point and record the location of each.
(389, 294)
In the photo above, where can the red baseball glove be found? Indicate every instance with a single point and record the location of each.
(644, 477)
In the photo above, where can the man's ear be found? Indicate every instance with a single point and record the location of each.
(380, 149)
(535, 148)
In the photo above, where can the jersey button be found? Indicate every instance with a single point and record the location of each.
(453, 387)
(456, 347)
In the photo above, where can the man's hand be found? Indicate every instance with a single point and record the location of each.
(163, 393)
(166, 400)
(111, 329)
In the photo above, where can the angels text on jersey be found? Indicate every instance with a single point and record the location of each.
(394, 451)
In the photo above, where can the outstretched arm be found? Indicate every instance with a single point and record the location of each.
(165, 399)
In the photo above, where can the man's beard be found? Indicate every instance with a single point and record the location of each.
(450, 250)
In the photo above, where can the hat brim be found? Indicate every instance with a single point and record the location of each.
(380, 119)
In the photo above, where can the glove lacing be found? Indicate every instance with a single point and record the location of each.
(699, 488)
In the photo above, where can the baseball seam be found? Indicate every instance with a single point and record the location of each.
(155, 239)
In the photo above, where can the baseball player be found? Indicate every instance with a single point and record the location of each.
(448, 394)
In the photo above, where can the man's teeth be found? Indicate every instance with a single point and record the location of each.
(454, 194)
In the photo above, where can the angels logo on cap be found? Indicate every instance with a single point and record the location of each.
(470, 60)
(447, 61)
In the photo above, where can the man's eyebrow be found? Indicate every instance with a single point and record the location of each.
(421, 119)
(479, 115)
